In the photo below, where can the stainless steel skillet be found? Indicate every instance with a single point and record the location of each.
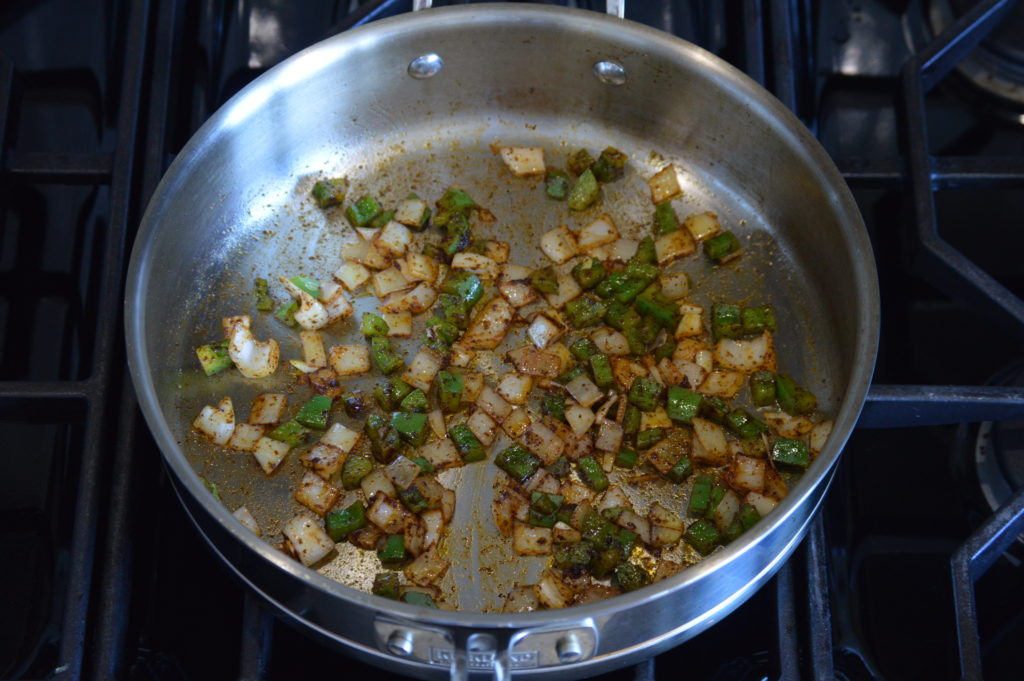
(234, 205)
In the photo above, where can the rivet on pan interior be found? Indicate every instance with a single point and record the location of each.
(610, 73)
(425, 66)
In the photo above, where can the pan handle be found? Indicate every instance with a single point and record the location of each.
(617, 8)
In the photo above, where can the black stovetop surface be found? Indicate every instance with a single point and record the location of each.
(105, 576)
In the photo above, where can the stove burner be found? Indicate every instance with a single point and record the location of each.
(999, 451)
(996, 67)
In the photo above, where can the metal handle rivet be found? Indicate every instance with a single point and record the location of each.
(569, 648)
(425, 66)
(400, 643)
(610, 73)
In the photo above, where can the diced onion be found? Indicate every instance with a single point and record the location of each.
(516, 423)
(543, 332)
(535, 362)
(702, 225)
(395, 238)
(609, 438)
(747, 473)
(422, 370)
(402, 471)
(819, 436)
(580, 418)
(664, 536)
(763, 504)
(559, 244)
(410, 212)
(674, 245)
(634, 522)
(524, 161)
(712, 438)
(441, 453)
(498, 251)
(725, 512)
(436, 420)
(576, 492)
(655, 419)
(245, 437)
(388, 281)
(664, 185)
(399, 324)
(427, 569)
(675, 286)
(355, 250)
(622, 250)
(419, 267)
(473, 383)
(568, 289)
(253, 358)
(477, 264)
(504, 508)
(352, 275)
(552, 592)
(243, 516)
(315, 493)
(269, 453)
(386, 513)
(540, 440)
(493, 403)
(413, 534)
(521, 599)
(308, 538)
(515, 388)
(610, 342)
(268, 409)
(312, 314)
(514, 285)
(217, 423)
(324, 459)
(313, 349)
(662, 516)
(342, 437)
(789, 426)
(433, 522)
(347, 360)
(743, 355)
(335, 303)
(724, 384)
(563, 534)
(584, 391)
(489, 327)
(598, 233)
(377, 484)
(483, 426)
(614, 497)
(531, 541)
(376, 258)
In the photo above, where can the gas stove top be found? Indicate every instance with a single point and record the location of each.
(913, 568)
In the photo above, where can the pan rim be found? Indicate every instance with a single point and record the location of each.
(764, 105)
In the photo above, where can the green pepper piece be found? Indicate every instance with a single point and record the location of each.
(467, 443)
(621, 286)
(553, 404)
(373, 326)
(631, 421)
(585, 192)
(384, 440)
(212, 486)
(790, 452)
(583, 349)
(681, 470)
(762, 388)
(544, 509)
(353, 404)
(362, 211)
(666, 349)
(714, 409)
(290, 432)
(744, 425)
(665, 219)
(393, 550)
(419, 598)
(631, 577)
(644, 393)
(424, 465)
(450, 387)
(626, 541)
(758, 319)
(792, 398)
(726, 321)
(340, 524)
(580, 162)
(642, 271)
(620, 317)
(598, 532)
(609, 165)
(717, 494)
(560, 468)
(700, 495)
(465, 285)
(286, 313)
(601, 368)
(646, 439)
(412, 428)
(647, 331)
(261, 290)
(755, 448)
(330, 192)
(545, 280)
(556, 184)
(415, 402)
(682, 404)
(456, 200)
(654, 303)
(383, 356)
(214, 357)
(702, 536)
(518, 462)
(722, 247)
(592, 474)
(440, 334)
(355, 468)
(570, 374)
(588, 273)
(646, 253)
(389, 394)
(412, 498)
(748, 516)
(576, 555)
(386, 584)
(458, 234)
(626, 458)
(604, 562)
(381, 219)
(313, 414)
(584, 311)
(732, 532)
(455, 310)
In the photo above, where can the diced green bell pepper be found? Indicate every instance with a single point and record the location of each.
(286, 313)
(601, 368)
(313, 414)
(758, 319)
(450, 387)
(700, 495)
(419, 598)
(560, 468)
(702, 536)
(340, 524)
(467, 443)
(592, 474)
(646, 439)
(726, 321)
(762, 388)
(373, 325)
(214, 357)
(393, 550)
(580, 162)
(653, 302)
(631, 577)
(329, 192)
(556, 184)
(553, 404)
(576, 555)
(792, 398)
(748, 516)
(682, 404)
(605, 561)
(583, 349)
(545, 280)
(381, 219)
(631, 421)
(588, 273)
(721, 247)
(626, 458)
(646, 253)
(790, 452)
(714, 408)
(585, 311)
(456, 200)
(544, 509)
(355, 468)
(424, 465)
(261, 290)
(518, 462)
(465, 285)
(412, 428)
(290, 432)
(386, 584)
(744, 425)
(644, 393)
(389, 394)
(383, 356)
(353, 404)
(665, 219)
(585, 192)
(384, 439)
(362, 211)
(609, 165)
(415, 402)
(681, 470)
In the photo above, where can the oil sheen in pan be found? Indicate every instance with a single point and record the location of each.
(284, 233)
